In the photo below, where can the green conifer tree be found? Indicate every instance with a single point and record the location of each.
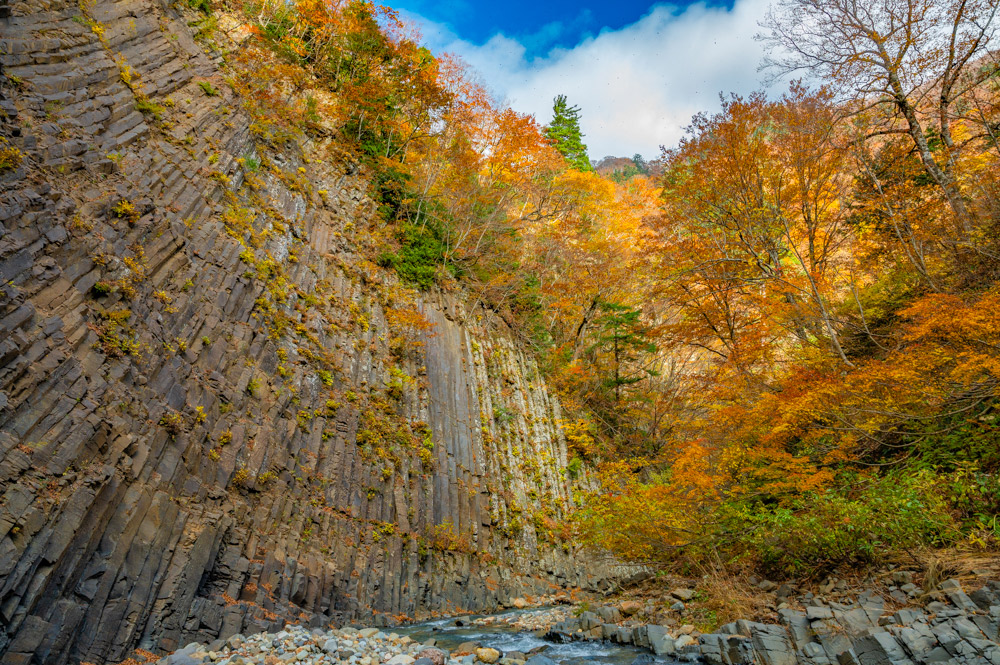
(564, 132)
(625, 339)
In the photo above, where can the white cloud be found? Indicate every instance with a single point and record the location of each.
(637, 86)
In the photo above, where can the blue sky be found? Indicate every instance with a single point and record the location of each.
(638, 70)
(539, 25)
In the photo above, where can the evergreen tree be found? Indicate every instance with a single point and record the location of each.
(564, 132)
(625, 339)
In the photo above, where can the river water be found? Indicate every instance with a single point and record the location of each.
(506, 638)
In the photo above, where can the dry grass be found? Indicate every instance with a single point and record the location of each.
(725, 596)
(960, 563)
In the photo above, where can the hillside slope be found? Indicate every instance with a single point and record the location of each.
(215, 415)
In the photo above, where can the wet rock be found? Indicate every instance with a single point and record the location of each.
(539, 659)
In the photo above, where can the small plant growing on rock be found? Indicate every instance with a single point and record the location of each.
(443, 537)
(208, 89)
(242, 477)
(10, 157)
(101, 289)
(126, 210)
(250, 164)
(203, 6)
(574, 467)
(146, 106)
(172, 422)
(115, 338)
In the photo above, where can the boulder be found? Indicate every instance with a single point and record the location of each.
(660, 640)
(487, 655)
(401, 659)
(630, 607)
(466, 649)
(539, 659)
(608, 614)
(436, 656)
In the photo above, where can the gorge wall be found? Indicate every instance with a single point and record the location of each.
(215, 414)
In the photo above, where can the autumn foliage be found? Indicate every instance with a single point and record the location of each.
(782, 352)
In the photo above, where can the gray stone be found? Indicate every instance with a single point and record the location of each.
(659, 640)
(880, 648)
(950, 585)
(540, 660)
(772, 646)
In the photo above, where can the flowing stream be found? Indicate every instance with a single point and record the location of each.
(507, 638)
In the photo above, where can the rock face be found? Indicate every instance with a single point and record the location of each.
(214, 415)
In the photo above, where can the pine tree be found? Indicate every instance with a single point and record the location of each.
(564, 132)
(625, 339)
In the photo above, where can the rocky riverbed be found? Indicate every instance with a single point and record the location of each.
(953, 627)
(296, 644)
(950, 627)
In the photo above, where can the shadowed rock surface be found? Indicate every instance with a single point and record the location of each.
(179, 423)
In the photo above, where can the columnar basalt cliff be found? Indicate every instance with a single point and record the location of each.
(215, 415)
